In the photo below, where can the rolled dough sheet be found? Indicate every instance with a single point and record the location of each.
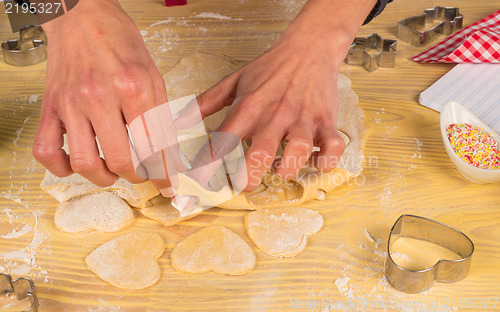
(63, 189)
(282, 231)
(101, 211)
(128, 261)
(196, 73)
(213, 249)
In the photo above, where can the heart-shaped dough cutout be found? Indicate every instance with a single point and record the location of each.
(128, 261)
(213, 249)
(102, 211)
(283, 231)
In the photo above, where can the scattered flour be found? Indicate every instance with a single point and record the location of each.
(33, 98)
(23, 262)
(20, 131)
(283, 217)
(216, 16)
(166, 21)
(342, 284)
(15, 233)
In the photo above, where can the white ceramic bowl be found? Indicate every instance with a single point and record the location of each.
(453, 112)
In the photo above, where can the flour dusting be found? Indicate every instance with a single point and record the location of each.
(215, 16)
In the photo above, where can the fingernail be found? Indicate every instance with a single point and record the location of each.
(168, 191)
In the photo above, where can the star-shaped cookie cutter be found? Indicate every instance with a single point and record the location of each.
(359, 52)
(23, 288)
(410, 29)
(448, 271)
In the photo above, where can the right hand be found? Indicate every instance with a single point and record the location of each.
(100, 76)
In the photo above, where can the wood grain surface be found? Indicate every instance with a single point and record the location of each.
(406, 171)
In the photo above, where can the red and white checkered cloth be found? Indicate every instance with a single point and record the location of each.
(477, 43)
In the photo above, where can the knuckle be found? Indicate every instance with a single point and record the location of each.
(119, 164)
(130, 81)
(300, 144)
(89, 88)
(336, 143)
(246, 105)
(42, 152)
(83, 164)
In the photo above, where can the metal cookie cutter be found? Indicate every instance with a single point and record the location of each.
(447, 271)
(29, 49)
(410, 29)
(358, 52)
(23, 287)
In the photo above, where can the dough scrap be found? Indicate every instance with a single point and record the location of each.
(128, 261)
(160, 209)
(63, 189)
(101, 211)
(283, 231)
(213, 249)
(196, 73)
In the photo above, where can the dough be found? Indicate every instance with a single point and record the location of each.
(63, 189)
(213, 249)
(160, 209)
(101, 211)
(283, 231)
(128, 261)
(196, 73)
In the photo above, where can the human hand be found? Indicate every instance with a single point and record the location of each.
(100, 76)
(289, 93)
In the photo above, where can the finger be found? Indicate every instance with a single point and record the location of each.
(159, 86)
(296, 154)
(84, 154)
(211, 157)
(144, 103)
(331, 149)
(47, 146)
(218, 96)
(188, 116)
(260, 155)
(114, 140)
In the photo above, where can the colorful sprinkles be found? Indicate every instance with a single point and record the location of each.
(474, 146)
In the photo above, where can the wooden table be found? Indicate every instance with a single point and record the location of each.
(407, 171)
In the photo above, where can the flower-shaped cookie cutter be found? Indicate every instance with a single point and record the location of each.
(23, 288)
(359, 52)
(448, 271)
(410, 29)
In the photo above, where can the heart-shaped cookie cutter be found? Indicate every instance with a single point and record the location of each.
(409, 29)
(23, 288)
(447, 271)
